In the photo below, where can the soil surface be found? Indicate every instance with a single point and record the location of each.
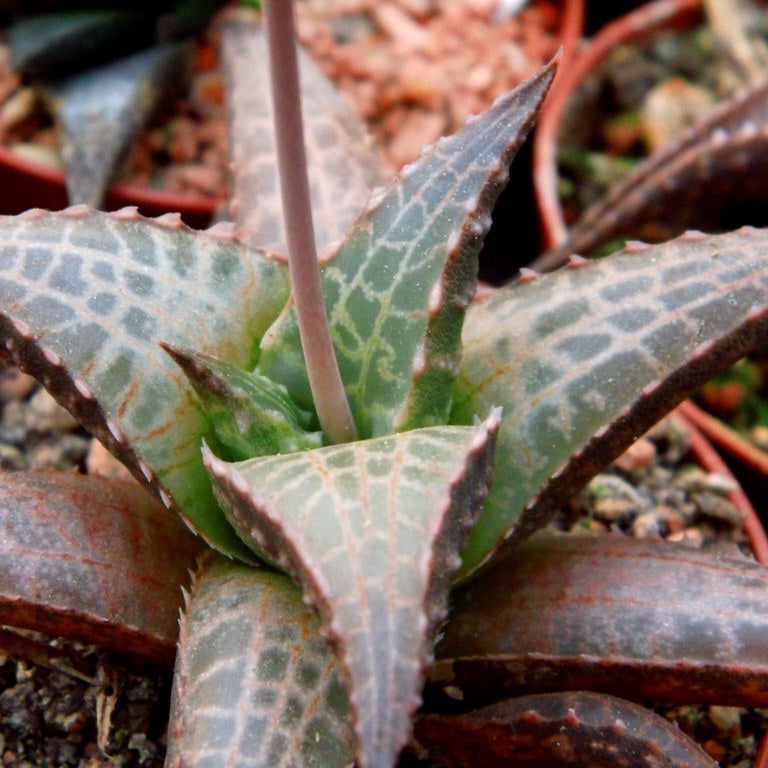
(85, 708)
(412, 69)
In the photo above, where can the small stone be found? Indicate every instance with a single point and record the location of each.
(100, 461)
(646, 526)
(760, 437)
(46, 415)
(12, 458)
(14, 384)
(714, 505)
(611, 498)
(721, 484)
(399, 26)
(638, 458)
(692, 479)
(672, 518)
(670, 108)
(418, 128)
(690, 537)
(714, 749)
(63, 453)
(726, 718)
(672, 440)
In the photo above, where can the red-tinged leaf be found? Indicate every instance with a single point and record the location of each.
(372, 531)
(644, 619)
(85, 299)
(721, 160)
(92, 559)
(255, 683)
(342, 167)
(585, 359)
(557, 730)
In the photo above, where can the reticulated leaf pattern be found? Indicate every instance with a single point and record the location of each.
(342, 166)
(397, 288)
(255, 684)
(586, 359)
(372, 531)
(85, 298)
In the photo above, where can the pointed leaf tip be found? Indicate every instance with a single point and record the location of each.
(372, 530)
(398, 287)
(251, 415)
(584, 360)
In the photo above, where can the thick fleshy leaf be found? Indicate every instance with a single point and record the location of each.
(372, 531)
(342, 166)
(584, 360)
(398, 286)
(48, 45)
(720, 162)
(255, 684)
(645, 619)
(557, 730)
(251, 415)
(84, 300)
(92, 559)
(101, 111)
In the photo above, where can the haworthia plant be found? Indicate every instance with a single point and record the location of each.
(101, 87)
(558, 730)
(580, 362)
(586, 360)
(399, 284)
(255, 683)
(92, 558)
(86, 297)
(343, 168)
(646, 620)
(696, 180)
(372, 530)
(101, 111)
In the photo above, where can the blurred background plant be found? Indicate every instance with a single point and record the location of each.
(100, 70)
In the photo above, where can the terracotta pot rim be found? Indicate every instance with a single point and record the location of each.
(644, 20)
(118, 195)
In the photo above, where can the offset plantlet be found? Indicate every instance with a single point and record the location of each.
(181, 351)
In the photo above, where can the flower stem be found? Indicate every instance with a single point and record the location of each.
(322, 368)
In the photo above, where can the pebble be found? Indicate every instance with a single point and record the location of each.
(46, 415)
(690, 537)
(62, 453)
(646, 526)
(610, 498)
(100, 461)
(14, 384)
(638, 458)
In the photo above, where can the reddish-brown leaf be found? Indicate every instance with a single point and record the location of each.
(642, 619)
(557, 730)
(92, 559)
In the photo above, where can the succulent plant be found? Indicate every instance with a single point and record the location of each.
(475, 416)
(103, 69)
